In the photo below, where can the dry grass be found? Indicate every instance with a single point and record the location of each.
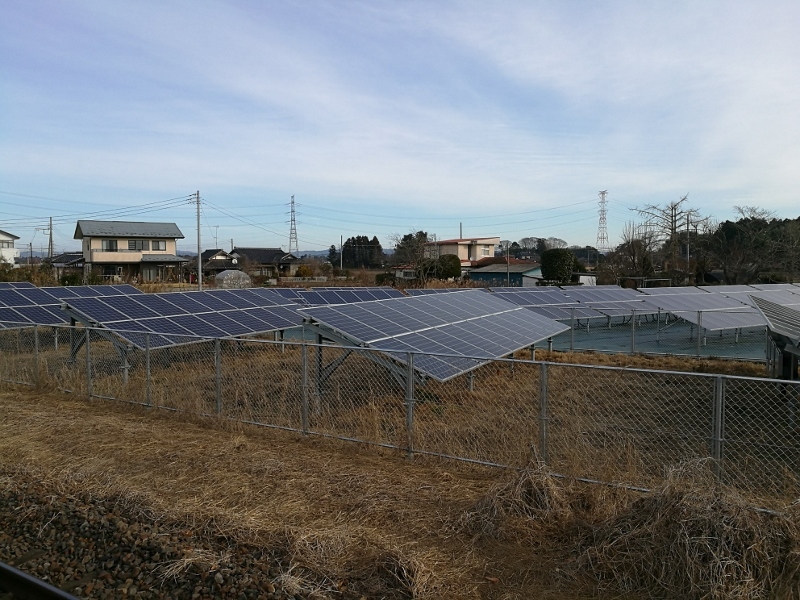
(695, 538)
(339, 513)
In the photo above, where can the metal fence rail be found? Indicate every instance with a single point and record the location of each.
(624, 426)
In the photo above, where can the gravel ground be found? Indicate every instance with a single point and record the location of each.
(112, 548)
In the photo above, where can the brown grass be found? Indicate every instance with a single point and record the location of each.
(340, 512)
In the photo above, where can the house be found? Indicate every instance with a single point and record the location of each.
(514, 273)
(216, 261)
(127, 250)
(265, 262)
(468, 250)
(8, 253)
(66, 264)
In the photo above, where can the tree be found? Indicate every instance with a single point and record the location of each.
(635, 254)
(745, 247)
(304, 271)
(528, 243)
(666, 224)
(333, 255)
(554, 243)
(449, 267)
(557, 265)
(360, 252)
(412, 250)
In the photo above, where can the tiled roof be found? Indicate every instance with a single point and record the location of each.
(126, 229)
(264, 256)
(163, 258)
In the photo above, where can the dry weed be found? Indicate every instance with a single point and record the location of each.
(695, 538)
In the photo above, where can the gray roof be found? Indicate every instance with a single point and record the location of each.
(503, 268)
(163, 258)
(11, 235)
(129, 229)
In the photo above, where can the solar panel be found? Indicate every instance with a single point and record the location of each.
(15, 285)
(475, 326)
(668, 291)
(780, 319)
(185, 317)
(711, 311)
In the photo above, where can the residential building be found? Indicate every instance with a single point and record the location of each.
(468, 250)
(265, 262)
(130, 251)
(514, 273)
(8, 253)
(216, 261)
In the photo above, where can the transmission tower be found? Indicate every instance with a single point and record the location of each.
(293, 231)
(602, 234)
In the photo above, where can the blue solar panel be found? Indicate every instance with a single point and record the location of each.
(472, 324)
(9, 317)
(9, 297)
(40, 315)
(100, 311)
(129, 307)
(161, 305)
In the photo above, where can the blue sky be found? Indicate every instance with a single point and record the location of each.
(386, 117)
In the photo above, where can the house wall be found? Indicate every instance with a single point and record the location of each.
(93, 250)
(8, 253)
(465, 250)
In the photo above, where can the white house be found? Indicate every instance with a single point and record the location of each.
(8, 253)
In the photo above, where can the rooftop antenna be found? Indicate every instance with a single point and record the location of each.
(602, 234)
(293, 231)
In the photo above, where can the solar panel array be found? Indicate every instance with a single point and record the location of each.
(468, 324)
(174, 318)
(25, 305)
(323, 296)
(712, 311)
(781, 319)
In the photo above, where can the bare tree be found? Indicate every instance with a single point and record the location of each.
(554, 243)
(743, 248)
(666, 224)
(635, 253)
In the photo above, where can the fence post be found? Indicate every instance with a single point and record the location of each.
(88, 363)
(304, 378)
(699, 329)
(633, 331)
(147, 379)
(410, 405)
(218, 373)
(718, 425)
(36, 355)
(572, 329)
(543, 413)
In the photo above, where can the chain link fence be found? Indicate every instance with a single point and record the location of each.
(605, 424)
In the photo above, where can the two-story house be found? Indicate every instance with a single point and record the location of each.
(8, 253)
(127, 251)
(468, 250)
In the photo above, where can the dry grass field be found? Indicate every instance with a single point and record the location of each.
(349, 519)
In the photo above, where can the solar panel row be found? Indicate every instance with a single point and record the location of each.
(468, 323)
(179, 317)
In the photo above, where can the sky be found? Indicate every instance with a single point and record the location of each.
(381, 118)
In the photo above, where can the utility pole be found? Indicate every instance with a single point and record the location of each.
(30, 254)
(341, 248)
(231, 244)
(508, 268)
(216, 233)
(50, 242)
(199, 251)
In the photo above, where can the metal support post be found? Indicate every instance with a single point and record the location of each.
(543, 413)
(36, 355)
(88, 362)
(633, 332)
(147, 379)
(658, 326)
(572, 329)
(318, 389)
(304, 379)
(718, 425)
(471, 380)
(218, 373)
(699, 329)
(549, 344)
(55, 338)
(125, 366)
(410, 405)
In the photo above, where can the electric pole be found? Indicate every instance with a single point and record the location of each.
(50, 242)
(199, 251)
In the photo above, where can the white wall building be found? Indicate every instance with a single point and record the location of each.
(8, 253)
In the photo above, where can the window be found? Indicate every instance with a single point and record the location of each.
(138, 245)
(485, 250)
(108, 245)
(6, 244)
(159, 244)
